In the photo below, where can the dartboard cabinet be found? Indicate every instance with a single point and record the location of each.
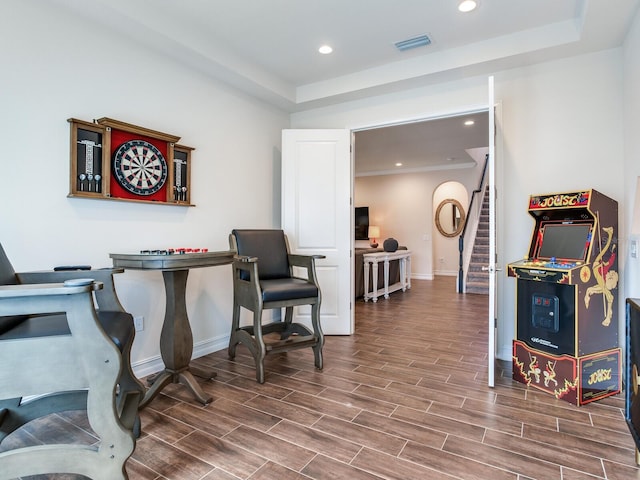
(115, 160)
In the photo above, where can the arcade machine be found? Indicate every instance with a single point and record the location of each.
(632, 371)
(566, 338)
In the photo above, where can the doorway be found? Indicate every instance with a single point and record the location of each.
(300, 157)
(398, 167)
(395, 193)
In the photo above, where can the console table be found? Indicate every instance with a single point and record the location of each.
(372, 260)
(176, 339)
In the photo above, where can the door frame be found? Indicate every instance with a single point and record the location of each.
(478, 108)
(425, 117)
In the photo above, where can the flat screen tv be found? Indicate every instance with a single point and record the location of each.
(362, 223)
(564, 241)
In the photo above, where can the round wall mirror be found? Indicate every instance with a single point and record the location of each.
(450, 217)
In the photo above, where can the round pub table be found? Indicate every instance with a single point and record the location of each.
(176, 338)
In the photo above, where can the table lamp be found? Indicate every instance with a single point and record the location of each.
(374, 232)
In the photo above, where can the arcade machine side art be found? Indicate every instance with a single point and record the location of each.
(632, 368)
(566, 298)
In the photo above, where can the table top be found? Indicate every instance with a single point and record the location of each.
(385, 255)
(185, 261)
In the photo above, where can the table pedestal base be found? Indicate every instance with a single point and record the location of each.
(184, 377)
(176, 343)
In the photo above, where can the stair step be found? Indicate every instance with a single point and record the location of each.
(479, 262)
(476, 269)
(478, 274)
(477, 266)
(478, 284)
(477, 288)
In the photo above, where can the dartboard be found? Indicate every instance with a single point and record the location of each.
(140, 167)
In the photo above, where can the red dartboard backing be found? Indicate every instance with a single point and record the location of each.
(118, 138)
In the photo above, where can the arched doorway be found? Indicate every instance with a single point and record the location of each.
(450, 199)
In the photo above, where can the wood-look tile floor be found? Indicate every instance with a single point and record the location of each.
(404, 398)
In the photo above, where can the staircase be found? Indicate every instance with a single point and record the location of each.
(477, 279)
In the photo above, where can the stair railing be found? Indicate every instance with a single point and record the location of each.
(472, 217)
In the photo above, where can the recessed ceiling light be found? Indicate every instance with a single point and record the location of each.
(325, 49)
(398, 164)
(467, 5)
(469, 122)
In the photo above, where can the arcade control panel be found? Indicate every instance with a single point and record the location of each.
(551, 263)
(552, 270)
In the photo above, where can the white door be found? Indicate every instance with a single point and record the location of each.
(492, 237)
(316, 216)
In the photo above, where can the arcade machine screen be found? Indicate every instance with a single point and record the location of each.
(564, 241)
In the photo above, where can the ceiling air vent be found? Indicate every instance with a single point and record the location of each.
(414, 42)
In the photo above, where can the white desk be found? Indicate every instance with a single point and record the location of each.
(372, 259)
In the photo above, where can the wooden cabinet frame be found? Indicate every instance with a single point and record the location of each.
(92, 149)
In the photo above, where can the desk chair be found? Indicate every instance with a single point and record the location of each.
(263, 279)
(57, 349)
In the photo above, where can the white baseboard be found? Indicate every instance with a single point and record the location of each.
(422, 276)
(155, 364)
(143, 368)
(505, 354)
(446, 273)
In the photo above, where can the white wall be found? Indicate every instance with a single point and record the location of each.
(631, 53)
(54, 67)
(561, 130)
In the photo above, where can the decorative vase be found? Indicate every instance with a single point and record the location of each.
(390, 245)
